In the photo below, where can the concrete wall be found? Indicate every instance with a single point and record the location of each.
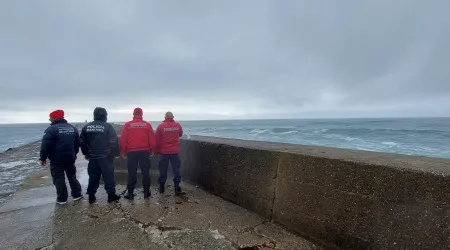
(340, 198)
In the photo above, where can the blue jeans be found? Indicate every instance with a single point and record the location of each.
(164, 165)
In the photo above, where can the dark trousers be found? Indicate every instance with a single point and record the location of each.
(101, 167)
(59, 180)
(174, 160)
(141, 158)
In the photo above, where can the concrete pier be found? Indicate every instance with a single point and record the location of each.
(196, 220)
(248, 194)
(338, 198)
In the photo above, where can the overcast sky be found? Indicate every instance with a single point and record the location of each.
(217, 59)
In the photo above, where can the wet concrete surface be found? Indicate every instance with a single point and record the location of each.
(30, 198)
(27, 228)
(196, 220)
(26, 220)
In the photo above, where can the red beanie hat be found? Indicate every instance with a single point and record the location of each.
(137, 112)
(57, 114)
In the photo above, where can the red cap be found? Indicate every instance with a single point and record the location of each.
(137, 112)
(57, 114)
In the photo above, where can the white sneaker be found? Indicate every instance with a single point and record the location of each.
(78, 198)
(61, 202)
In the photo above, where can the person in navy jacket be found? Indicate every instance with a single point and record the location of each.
(100, 145)
(60, 144)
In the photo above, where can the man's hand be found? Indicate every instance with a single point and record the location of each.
(43, 163)
(124, 157)
(152, 154)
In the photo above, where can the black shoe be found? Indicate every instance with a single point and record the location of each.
(161, 188)
(147, 193)
(113, 197)
(177, 190)
(92, 199)
(129, 196)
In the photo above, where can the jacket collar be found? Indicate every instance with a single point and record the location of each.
(59, 121)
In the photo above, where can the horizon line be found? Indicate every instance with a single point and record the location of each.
(256, 119)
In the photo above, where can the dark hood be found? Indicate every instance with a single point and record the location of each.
(100, 114)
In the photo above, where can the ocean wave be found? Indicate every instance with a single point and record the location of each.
(13, 164)
(283, 131)
(274, 131)
(258, 131)
(384, 130)
(342, 137)
(390, 143)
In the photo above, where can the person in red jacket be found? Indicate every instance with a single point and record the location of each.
(168, 136)
(137, 144)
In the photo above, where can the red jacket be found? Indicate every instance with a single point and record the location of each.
(168, 136)
(137, 135)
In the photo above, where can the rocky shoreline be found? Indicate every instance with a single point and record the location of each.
(18, 163)
(15, 165)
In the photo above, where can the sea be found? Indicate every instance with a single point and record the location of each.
(411, 136)
(419, 136)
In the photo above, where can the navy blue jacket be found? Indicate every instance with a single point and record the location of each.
(60, 143)
(98, 139)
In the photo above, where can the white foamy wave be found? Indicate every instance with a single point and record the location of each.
(12, 164)
(342, 137)
(284, 133)
(389, 143)
(258, 131)
(321, 130)
(6, 192)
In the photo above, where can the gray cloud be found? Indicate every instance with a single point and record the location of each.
(222, 59)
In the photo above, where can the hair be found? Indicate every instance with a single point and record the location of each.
(169, 114)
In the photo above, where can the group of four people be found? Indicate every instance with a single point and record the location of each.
(99, 144)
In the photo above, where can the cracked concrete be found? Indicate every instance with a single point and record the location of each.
(196, 220)
(49, 247)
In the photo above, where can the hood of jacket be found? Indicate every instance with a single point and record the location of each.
(100, 114)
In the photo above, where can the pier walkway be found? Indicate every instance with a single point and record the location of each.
(196, 220)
